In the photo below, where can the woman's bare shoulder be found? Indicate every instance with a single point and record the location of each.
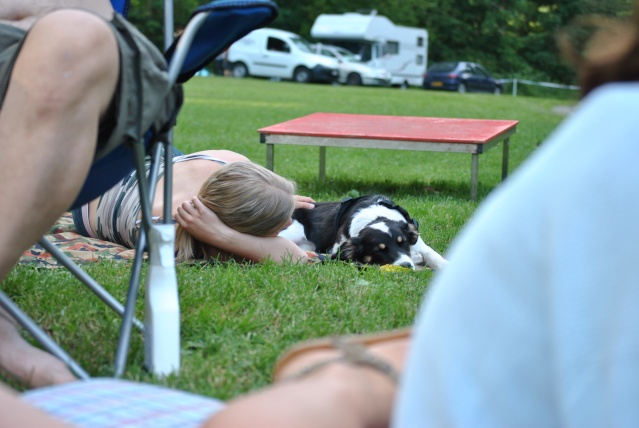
(224, 155)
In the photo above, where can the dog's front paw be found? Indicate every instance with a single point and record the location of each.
(418, 259)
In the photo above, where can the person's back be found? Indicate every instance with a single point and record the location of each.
(539, 327)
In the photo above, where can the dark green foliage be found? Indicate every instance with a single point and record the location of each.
(512, 38)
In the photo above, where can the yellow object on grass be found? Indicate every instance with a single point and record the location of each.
(393, 268)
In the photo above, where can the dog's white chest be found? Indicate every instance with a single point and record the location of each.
(295, 233)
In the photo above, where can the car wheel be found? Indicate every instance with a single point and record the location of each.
(497, 90)
(302, 75)
(354, 79)
(240, 70)
(461, 88)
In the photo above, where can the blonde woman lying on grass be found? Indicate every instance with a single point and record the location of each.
(239, 209)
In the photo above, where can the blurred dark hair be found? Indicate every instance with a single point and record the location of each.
(602, 49)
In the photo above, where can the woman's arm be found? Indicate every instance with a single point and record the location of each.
(206, 226)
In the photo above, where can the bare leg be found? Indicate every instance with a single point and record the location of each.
(340, 395)
(62, 82)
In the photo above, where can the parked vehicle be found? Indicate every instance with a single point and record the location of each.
(461, 76)
(269, 52)
(351, 70)
(403, 51)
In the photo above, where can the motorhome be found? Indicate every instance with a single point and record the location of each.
(403, 51)
(269, 52)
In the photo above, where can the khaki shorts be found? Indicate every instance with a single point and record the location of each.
(143, 100)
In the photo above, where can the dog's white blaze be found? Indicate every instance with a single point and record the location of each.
(295, 232)
(381, 226)
(368, 214)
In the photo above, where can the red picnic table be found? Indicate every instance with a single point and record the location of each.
(433, 134)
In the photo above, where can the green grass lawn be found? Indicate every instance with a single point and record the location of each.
(236, 319)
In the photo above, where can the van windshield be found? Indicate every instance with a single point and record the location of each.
(304, 45)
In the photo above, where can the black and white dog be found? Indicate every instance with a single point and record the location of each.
(368, 230)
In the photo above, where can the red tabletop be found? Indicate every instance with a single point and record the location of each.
(406, 128)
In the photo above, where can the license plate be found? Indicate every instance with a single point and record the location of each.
(437, 84)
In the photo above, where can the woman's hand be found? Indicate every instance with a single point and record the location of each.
(198, 220)
(304, 202)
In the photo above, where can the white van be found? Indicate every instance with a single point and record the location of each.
(268, 52)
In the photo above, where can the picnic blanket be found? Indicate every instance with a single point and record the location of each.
(87, 250)
(79, 248)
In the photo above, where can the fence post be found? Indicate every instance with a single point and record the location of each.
(514, 87)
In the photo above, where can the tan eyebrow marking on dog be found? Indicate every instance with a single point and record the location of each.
(382, 246)
(367, 259)
(399, 239)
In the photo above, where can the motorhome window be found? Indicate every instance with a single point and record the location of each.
(419, 60)
(302, 44)
(277, 45)
(391, 48)
(420, 41)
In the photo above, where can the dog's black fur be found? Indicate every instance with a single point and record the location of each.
(368, 230)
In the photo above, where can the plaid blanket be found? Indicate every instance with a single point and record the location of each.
(80, 248)
(86, 250)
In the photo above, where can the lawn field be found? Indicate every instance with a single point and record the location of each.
(236, 319)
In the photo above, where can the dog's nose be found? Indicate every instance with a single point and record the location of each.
(406, 265)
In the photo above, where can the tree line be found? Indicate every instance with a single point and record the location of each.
(512, 38)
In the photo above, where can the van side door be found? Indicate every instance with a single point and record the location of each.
(275, 60)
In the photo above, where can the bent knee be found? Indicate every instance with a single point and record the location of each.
(68, 37)
(67, 55)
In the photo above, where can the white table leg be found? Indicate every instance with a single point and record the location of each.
(270, 157)
(474, 172)
(322, 163)
(504, 159)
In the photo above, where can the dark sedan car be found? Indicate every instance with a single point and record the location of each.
(460, 76)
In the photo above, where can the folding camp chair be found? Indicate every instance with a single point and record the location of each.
(211, 29)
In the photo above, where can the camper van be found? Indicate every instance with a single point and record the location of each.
(403, 51)
(269, 52)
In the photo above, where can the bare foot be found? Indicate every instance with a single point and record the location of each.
(27, 364)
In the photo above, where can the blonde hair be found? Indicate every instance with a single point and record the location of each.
(246, 197)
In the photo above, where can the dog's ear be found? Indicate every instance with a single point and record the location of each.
(348, 250)
(412, 234)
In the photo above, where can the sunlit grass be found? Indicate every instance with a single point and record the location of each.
(236, 319)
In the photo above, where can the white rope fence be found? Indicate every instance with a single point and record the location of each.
(515, 82)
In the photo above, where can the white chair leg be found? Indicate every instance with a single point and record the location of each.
(162, 318)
